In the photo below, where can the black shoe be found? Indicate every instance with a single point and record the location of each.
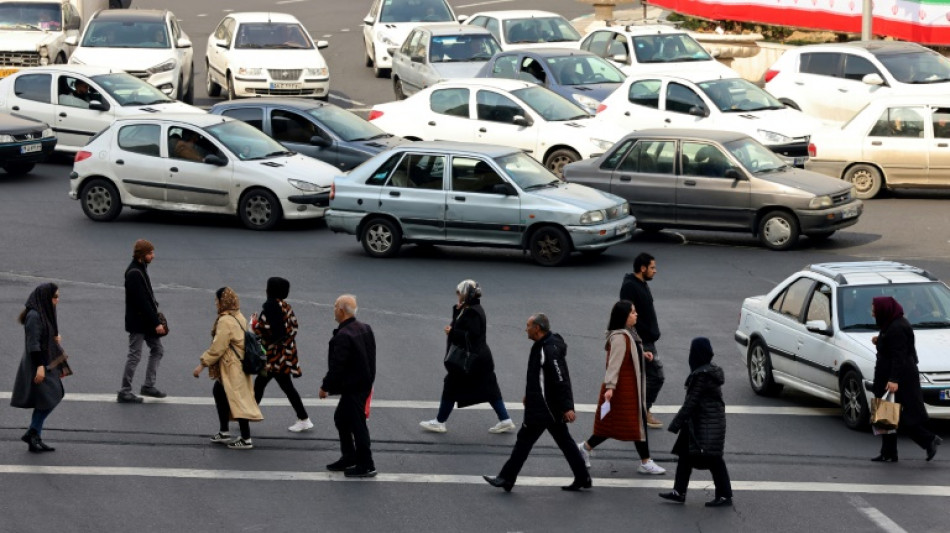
(340, 465)
(43, 447)
(883, 459)
(127, 397)
(932, 449)
(152, 391)
(499, 482)
(360, 471)
(577, 485)
(673, 496)
(32, 439)
(720, 502)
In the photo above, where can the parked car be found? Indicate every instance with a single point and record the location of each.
(520, 114)
(437, 53)
(721, 181)
(265, 54)
(389, 22)
(524, 28)
(699, 101)
(894, 142)
(834, 81)
(814, 333)
(316, 129)
(197, 164)
(79, 101)
(23, 143)
(654, 48)
(34, 32)
(475, 195)
(574, 74)
(147, 43)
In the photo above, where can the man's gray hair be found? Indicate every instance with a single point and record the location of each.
(541, 320)
(348, 304)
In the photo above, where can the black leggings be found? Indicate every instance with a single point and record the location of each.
(643, 447)
(224, 411)
(287, 385)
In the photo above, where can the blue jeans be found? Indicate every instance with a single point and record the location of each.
(39, 417)
(446, 406)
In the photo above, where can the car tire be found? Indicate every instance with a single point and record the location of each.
(190, 93)
(181, 88)
(759, 366)
(778, 230)
(549, 246)
(867, 180)
(854, 402)
(231, 93)
(556, 160)
(397, 88)
(100, 200)
(260, 210)
(18, 169)
(790, 104)
(212, 88)
(821, 236)
(369, 59)
(381, 237)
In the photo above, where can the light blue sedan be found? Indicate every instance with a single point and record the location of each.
(435, 53)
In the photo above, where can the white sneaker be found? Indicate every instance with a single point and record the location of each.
(585, 453)
(301, 425)
(502, 427)
(433, 425)
(650, 468)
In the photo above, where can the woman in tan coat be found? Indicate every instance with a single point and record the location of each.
(233, 390)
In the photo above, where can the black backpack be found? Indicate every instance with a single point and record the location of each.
(254, 356)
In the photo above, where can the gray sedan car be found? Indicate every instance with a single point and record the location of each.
(434, 53)
(718, 180)
(476, 195)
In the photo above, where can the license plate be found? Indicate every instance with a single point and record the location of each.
(4, 72)
(800, 161)
(286, 85)
(30, 148)
(849, 212)
(945, 395)
(623, 230)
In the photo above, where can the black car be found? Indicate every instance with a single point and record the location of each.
(23, 143)
(316, 129)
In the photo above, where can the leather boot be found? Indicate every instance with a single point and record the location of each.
(32, 439)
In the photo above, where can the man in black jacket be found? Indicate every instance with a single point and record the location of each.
(636, 290)
(351, 373)
(548, 405)
(142, 323)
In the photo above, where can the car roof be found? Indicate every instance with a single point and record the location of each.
(693, 76)
(85, 70)
(878, 48)
(201, 120)
(487, 150)
(888, 99)
(131, 15)
(549, 52)
(871, 272)
(296, 103)
(452, 29)
(644, 29)
(262, 16)
(721, 136)
(505, 84)
(517, 14)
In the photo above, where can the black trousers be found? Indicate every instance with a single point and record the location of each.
(528, 435)
(286, 383)
(224, 411)
(350, 420)
(654, 375)
(918, 433)
(716, 467)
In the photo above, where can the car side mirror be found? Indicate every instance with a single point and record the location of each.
(322, 44)
(317, 140)
(183, 43)
(698, 111)
(462, 18)
(368, 21)
(733, 174)
(415, 59)
(72, 40)
(96, 105)
(620, 58)
(520, 120)
(818, 326)
(873, 79)
(214, 159)
(503, 189)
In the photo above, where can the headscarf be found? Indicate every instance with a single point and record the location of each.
(470, 291)
(700, 353)
(41, 301)
(886, 310)
(227, 300)
(277, 289)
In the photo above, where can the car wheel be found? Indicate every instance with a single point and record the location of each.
(18, 169)
(260, 210)
(790, 104)
(854, 403)
(379, 72)
(549, 246)
(778, 230)
(212, 88)
(867, 180)
(100, 200)
(369, 58)
(181, 88)
(821, 236)
(381, 238)
(190, 93)
(559, 158)
(397, 88)
(760, 370)
(231, 95)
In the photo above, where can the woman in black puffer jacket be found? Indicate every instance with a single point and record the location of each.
(701, 424)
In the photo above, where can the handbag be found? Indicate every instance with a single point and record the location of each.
(60, 364)
(885, 414)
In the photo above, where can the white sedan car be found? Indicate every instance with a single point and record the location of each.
(520, 29)
(389, 22)
(710, 102)
(79, 101)
(265, 54)
(550, 128)
(197, 164)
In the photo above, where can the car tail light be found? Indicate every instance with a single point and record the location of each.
(82, 155)
(374, 114)
(812, 150)
(601, 107)
(332, 191)
(769, 74)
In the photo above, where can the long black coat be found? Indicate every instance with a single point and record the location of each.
(703, 414)
(141, 313)
(352, 359)
(547, 403)
(897, 362)
(27, 394)
(480, 385)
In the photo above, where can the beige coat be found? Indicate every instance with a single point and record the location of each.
(223, 364)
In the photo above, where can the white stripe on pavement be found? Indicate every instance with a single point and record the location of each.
(529, 481)
(874, 515)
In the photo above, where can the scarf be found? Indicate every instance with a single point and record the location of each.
(886, 310)
(41, 301)
(700, 353)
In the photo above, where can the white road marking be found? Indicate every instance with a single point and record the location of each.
(281, 2)
(344, 30)
(327, 35)
(874, 515)
(485, 3)
(202, 15)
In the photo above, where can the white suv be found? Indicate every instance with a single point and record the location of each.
(389, 22)
(813, 332)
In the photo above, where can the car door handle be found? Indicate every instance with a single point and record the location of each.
(482, 130)
(119, 162)
(941, 145)
(875, 143)
(626, 113)
(666, 120)
(16, 108)
(799, 83)
(62, 115)
(460, 198)
(432, 123)
(625, 178)
(842, 90)
(174, 169)
(395, 193)
(689, 183)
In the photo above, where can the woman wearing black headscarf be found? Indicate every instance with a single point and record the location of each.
(703, 417)
(38, 385)
(895, 371)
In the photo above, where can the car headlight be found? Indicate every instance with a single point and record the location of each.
(586, 101)
(44, 51)
(48, 132)
(386, 40)
(625, 208)
(321, 72)
(593, 217)
(6, 138)
(304, 185)
(820, 202)
(601, 143)
(770, 137)
(163, 67)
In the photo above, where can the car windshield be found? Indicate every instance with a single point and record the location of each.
(754, 156)
(462, 48)
(131, 91)
(346, 125)
(32, 16)
(583, 70)
(415, 11)
(668, 48)
(272, 35)
(926, 305)
(246, 141)
(126, 34)
(551, 106)
(925, 66)
(737, 95)
(527, 173)
(540, 30)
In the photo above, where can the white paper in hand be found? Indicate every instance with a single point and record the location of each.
(604, 409)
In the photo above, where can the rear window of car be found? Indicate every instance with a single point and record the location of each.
(34, 87)
(820, 63)
(450, 102)
(645, 93)
(251, 115)
(141, 139)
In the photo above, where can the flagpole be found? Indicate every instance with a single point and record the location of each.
(866, 18)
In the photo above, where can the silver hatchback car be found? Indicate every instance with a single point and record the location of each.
(476, 195)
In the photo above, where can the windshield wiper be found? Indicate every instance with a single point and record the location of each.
(279, 153)
(552, 183)
(859, 326)
(162, 101)
(25, 25)
(931, 324)
(577, 117)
